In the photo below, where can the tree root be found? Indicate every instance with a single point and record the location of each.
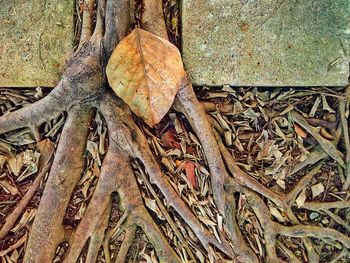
(48, 232)
(12, 218)
(83, 90)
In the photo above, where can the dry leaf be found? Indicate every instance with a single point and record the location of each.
(317, 189)
(325, 134)
(3, 159)
(46, 148)
(190, 173)
(300, 131)
(8, 188)
(146, 71)
(16, 164)
(169, 140)
(152, 204)
(301, 199)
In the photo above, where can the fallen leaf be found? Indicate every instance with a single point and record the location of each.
(3, 159)
(276, 213)
(46, 149)
(152, 204)
(300, 131)
(190, 173)
(16, 164)
(317, 189)
(8, 187)
(301, 199)
(325, 134)
(92, 147)
(146, 71)
(169, 140)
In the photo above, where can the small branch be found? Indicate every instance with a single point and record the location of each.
(344, 123)
(317, 206)
(86, 28)
(97, 237)
(65, 173)
(302, 184)
(12, 218)
(126, 244)
(326, 234)
(327, 146)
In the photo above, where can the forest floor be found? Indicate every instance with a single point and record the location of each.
(260, 133)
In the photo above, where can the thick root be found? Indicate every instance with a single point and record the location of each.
(48, 231)
(98, 204)
(12, 218)
(134, 142)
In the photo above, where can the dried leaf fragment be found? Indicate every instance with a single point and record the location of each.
(301, 199)
(146, 71)
(317, 189)
(300, 131)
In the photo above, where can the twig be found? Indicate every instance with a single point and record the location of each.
(317, 206)
(165, 213)
(328, 146)
(126, 244)
(12, 218)
(344, 123)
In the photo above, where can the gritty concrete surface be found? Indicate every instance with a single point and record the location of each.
(266, 42)
(36, 40)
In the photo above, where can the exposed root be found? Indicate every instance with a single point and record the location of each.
(167, 216)
(12, 218)
(132, 204)
(86, 30)
(117, 23)
(328, 235)
(129, 237)
(48, 231)
(97, 237)
(344, 124)
(32, 115)
(317, 206)
(136, 145)
(98, 205)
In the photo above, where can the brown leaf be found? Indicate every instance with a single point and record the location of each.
(169, 139)
(46, 148)
(190, 173)
(146, 71)
(300, 131)
(16, 164)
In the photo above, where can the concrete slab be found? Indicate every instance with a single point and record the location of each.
(267, 42)
(36, 39)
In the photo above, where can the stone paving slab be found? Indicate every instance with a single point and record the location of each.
(267, 42)
(36, 39)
